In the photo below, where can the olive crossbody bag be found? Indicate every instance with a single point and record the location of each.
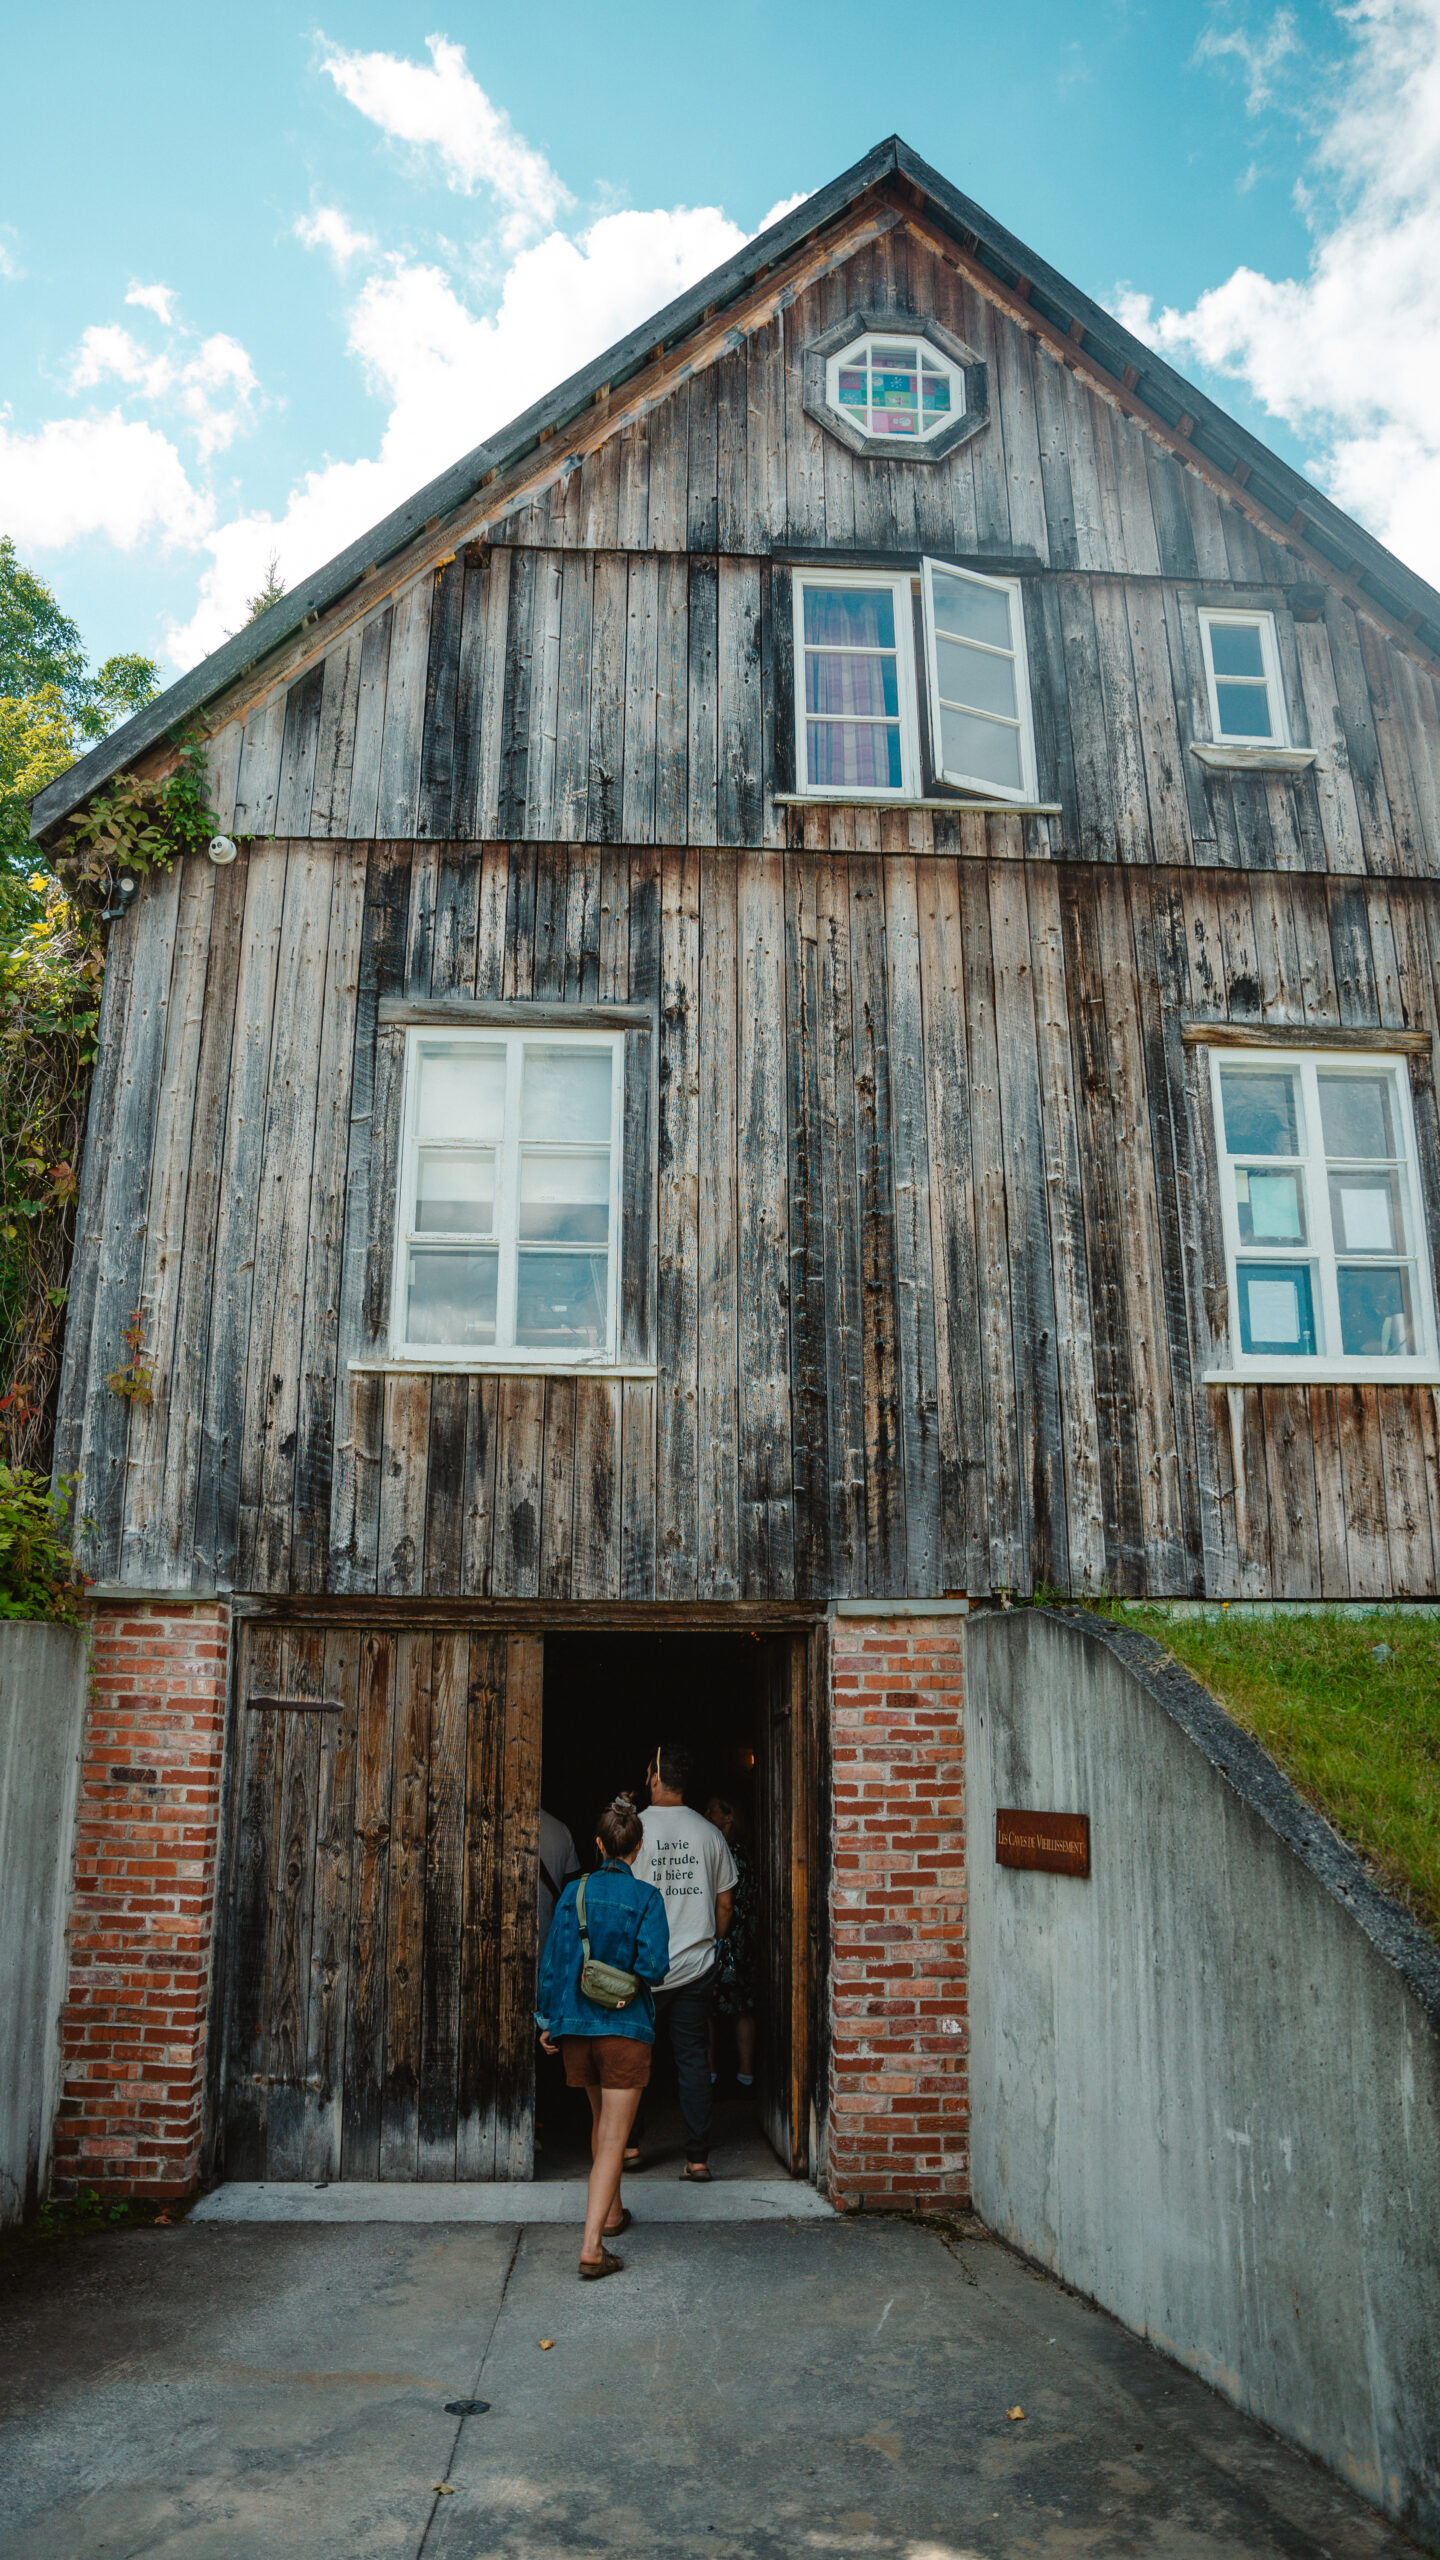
(608, 1985)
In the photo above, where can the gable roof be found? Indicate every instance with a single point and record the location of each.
(1193, 425)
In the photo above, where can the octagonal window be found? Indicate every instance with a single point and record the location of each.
(896, 386)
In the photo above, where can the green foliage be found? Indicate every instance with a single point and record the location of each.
(140, 821)
(36, 744)
(52, 965)
(39, 1577)
(271, 592)
(41, 650)
(1350, 1710)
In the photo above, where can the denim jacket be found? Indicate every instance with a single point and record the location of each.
(626, 1925)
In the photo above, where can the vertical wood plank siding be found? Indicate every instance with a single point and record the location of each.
(606, 661)
(932, 1244)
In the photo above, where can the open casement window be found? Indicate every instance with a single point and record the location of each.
(511, 1207)
(857, 712)
(1242, 676)
(1324, 1224)
(980, 725)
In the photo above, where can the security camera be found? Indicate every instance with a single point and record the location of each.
(222, 848)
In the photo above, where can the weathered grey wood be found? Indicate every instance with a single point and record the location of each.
(144, 1544)
(762, 1272)
(718, 1531)
(335, 744)
(364, 800)
(258, 779)
(914, 1283)
(282, 1225)
(295, 793)
(677, 1225)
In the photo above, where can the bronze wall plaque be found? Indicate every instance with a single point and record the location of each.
(1057, 1842)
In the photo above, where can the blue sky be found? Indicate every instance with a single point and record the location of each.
(265, 274)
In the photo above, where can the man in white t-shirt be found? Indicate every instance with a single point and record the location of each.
(689, 1863)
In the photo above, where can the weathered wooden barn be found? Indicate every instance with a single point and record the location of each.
(824, 1014)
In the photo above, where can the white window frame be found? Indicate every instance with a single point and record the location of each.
(1418, 1367)
(897, 584)
(1264, 623)
(504, 1354)
(932, 359)
(1028, 790)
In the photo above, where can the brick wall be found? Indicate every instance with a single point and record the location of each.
(134, 2025)
(899, 2105)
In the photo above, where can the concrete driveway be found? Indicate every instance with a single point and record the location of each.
(746, 2391)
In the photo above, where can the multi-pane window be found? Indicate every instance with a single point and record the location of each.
(1242, 673)
(856, 693)
(856, 698)
(896, 387)
(980, 697)
(1322, 1212)
(509, 1202)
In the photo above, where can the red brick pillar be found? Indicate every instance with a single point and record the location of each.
(899, 2100)
(130, 2114)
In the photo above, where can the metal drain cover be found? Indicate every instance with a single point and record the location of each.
(466, 2408)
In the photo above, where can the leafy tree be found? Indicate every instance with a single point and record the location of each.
(37, 742)
(41, 650)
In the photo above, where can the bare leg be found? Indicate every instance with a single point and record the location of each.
(612, 2218)
(745, 2043)
(613, 2118)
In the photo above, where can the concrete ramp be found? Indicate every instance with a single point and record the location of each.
(1205, 2079)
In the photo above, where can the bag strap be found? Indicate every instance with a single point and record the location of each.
(580, 1916)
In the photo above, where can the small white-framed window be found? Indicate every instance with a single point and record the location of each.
(1242, 677)
(855, 686)
(1324, 1224)
(507, 1238)
(982, 731)
(896, 386)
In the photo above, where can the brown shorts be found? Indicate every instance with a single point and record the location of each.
(605, 2062)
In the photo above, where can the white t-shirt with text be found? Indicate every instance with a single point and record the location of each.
(689, 1863)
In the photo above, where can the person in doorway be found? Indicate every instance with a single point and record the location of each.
(558, 1863)
(735, 1981)
(620, 1923)
(689, 1862)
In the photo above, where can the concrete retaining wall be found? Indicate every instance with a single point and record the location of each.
(42, 1710)
(1205, 2085)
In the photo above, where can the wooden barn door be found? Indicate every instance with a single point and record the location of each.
(381, 1928)
(786, 1939)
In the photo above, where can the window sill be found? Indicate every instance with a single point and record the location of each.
(530, 1367)
(892, 800)
(1322, 1373)
(1227, 759)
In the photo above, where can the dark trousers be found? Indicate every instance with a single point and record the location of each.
(685, 2015)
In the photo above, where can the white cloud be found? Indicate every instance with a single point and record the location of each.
(113, 476)
(211, 390)
(1260, 57)
(327, 228)
(1349, 354)
(11, 270)
(451, 378)
(446, 110)
(157, 298)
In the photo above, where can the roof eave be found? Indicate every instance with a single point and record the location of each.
(1215, 435)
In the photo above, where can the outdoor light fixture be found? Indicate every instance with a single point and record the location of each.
(222, 848)
(120, 889)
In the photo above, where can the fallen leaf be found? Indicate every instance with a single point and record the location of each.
(1016, 2412)
(443, 2489)
(547, 2342)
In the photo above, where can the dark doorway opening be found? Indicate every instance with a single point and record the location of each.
(738, 1704)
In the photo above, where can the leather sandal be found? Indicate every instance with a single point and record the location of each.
(613, 2230)
(634, 2161)
(609, 2265)
(696, 2173)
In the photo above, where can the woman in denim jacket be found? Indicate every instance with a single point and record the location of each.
(607, 2051)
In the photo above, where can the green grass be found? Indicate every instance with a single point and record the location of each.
(1359, 1737)
(81, 2217)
